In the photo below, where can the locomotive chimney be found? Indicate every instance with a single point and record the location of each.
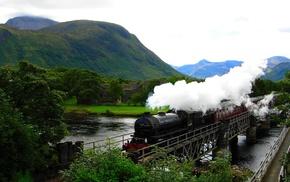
(146, 114)
(161, 113)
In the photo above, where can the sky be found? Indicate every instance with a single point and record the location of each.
(180, 31)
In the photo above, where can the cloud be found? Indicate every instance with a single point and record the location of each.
(284, 30)
(180, 32)
(55, 4)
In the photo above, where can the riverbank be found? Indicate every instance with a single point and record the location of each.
(71, 107)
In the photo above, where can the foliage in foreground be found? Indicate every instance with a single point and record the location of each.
(220, 170)
(30, 120)
(285, 162)
(104, 166)
(113, 166)
(17, 142)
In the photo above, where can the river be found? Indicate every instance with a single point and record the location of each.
(251, 155)
(89, 129)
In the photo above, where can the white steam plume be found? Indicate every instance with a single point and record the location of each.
(235, 85)
(260, 109)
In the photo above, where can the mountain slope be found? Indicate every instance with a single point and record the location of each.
(275, 60)
(30, 22)
(275, 71)
(276, 68)
(204, 68)
(106, 48)
(278, 72)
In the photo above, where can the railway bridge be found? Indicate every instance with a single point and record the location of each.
(194, 144)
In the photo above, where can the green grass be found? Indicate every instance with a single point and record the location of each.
(123, 109)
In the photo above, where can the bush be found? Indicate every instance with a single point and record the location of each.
(108, 165)
(19, 177)
(287, 122)
(220, 170)
(111, 165)
(168, 168)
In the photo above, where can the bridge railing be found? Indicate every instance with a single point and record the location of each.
(120, 140)
(269, 157)
(239, 124)
(173, 142)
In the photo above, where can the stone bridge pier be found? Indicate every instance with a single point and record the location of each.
(252, 130)
(223, 139)
(266, 123)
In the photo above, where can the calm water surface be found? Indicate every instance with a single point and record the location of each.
(251, 155)
(89, 129)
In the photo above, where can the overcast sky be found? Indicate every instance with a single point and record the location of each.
(180, 31)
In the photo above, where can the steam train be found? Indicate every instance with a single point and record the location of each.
(150, 129)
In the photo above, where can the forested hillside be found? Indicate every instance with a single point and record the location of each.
(277, 67)
(106, 48)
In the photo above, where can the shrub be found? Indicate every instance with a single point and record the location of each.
(100, 165)
(220, 170)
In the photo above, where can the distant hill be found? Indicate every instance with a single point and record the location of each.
(277, 67)
(204, 69)
(275, 60)
(275, 71)
(30, 22)
(106, 48)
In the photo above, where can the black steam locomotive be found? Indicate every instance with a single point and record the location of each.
(150, 129)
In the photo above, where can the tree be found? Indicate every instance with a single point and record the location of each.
(137, 98)
(263, 87)
(143, 94)
(84, 84)
(174, 79)
(284, 84)
(17, 142)
(287, 75)
(28, 88)
(115, 91)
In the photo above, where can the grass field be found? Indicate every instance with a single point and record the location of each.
(71, 106)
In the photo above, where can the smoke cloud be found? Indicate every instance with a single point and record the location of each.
(260, 109)
(236, 85)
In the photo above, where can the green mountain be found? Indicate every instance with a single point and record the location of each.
(277, 72)
(276, 68)
(106, 48)
(275, 60)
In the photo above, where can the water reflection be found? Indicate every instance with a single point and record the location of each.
(90, 128)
